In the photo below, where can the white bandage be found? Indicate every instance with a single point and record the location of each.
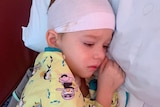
(77, 15)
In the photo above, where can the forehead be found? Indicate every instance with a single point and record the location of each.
(104, 34)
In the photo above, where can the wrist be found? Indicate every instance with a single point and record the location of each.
(104, 97)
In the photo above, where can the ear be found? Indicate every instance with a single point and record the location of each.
(51, 38)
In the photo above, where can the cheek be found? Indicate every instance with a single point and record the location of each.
(74, 53)
(74, 58)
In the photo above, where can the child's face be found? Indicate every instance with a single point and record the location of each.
(85, 50)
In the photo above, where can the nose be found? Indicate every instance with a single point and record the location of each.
(99, 54)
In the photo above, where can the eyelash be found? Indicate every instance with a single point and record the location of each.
(106, 47)
(89, 44)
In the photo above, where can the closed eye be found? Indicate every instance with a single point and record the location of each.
(106, 47)
(88, 44)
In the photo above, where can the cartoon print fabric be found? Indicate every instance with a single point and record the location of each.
(53, 85)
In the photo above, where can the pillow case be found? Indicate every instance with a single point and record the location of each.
(136, 47)
(34, 35)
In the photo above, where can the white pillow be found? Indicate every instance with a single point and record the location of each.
(136, 47)
(34, 35)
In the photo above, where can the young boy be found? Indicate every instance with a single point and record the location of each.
(79, 33)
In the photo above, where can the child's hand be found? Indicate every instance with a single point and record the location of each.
(110, 78)
(110, 75)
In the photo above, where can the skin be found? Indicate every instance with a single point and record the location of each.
(110, 78)
(85, 52)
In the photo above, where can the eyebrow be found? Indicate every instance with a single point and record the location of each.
(90, 36)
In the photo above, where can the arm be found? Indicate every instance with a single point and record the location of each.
(109, 79)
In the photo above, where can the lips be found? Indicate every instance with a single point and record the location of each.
(94, 68)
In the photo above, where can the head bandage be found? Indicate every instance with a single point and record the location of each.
(77, 15)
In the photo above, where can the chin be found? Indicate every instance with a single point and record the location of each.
(86, 76)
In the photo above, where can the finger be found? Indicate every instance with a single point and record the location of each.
(124, 74)
(115, 64)
(109, 63)
(103, 64)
